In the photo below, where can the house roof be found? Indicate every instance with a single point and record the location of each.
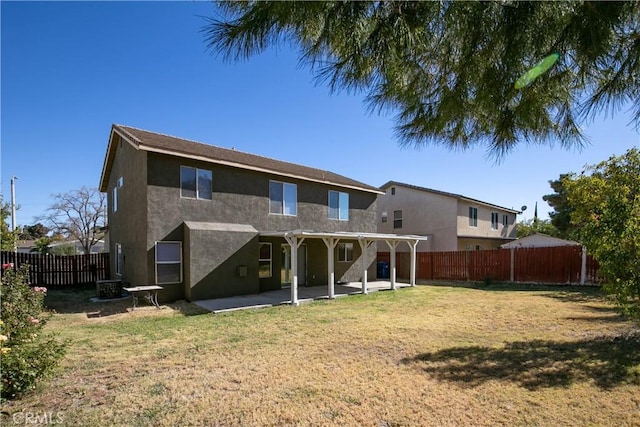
(444, 193)
(171, 145)
(538, 240)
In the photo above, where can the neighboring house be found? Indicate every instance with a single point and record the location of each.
(97, 248)
(209, 222)
(453, 222)
(25, 246)
(538, 240)
(28, 246)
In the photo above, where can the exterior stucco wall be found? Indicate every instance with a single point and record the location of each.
(220, 263)
(470, 243)
(483, 229)
(444, 218)
(423, 213)
(127, 226)
(242, 197)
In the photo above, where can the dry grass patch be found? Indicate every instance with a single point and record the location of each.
(431, 355)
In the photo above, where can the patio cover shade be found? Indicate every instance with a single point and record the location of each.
(331, 239)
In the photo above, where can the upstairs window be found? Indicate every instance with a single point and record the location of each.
(494, 220)
(283, 198)
(196, 183)
(505, 220)
(397, 219)
(473, 216)
(338, 205)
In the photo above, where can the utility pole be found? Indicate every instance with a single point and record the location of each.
(13, 203)
(13, 209)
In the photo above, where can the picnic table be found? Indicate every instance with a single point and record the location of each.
(151, 294)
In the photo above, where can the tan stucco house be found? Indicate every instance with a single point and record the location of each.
(453, 222)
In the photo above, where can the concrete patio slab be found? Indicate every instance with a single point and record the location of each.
(283, 296)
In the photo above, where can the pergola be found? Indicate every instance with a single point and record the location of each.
(295, 238)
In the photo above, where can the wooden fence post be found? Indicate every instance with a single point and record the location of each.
(512, 263)
(583, 266)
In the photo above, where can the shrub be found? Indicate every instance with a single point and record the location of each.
(27, 353)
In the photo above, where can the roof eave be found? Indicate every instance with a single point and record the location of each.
(254, 168)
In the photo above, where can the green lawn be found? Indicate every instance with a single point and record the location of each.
(431, 355)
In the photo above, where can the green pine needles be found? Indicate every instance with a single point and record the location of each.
(447, 69)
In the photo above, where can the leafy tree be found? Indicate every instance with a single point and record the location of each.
(7, 238)
(42, 245)
(34, 232)
(447, 69)
(561, 215)
(528, 227)
(606, 201)
(79, 214)
(63, 249)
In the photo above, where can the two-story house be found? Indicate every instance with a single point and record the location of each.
(209, 222)
(453, 222)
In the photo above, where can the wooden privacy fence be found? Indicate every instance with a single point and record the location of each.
(60, 270)
(562, 264)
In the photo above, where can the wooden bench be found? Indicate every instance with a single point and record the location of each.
(151, 294)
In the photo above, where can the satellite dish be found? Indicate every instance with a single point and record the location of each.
(523, 208)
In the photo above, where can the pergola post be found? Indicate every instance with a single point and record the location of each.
(414, 247)
(392, 270)
(364, 245)
(331, 246)
(294, 243)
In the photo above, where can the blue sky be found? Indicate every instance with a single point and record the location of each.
(71, 69)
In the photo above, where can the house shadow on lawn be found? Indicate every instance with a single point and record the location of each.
(608, 361)
(570, 292)
(79, 300)
(82, 300)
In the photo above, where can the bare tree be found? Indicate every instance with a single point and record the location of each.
(79, 214)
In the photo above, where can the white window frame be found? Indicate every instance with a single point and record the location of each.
(473, 216)
(261, 260)
(340, 194)
(343, 253)
(197, 197)
(167, 262)
(505, 220)
(285, 185)
(495, 220)
(118, 259)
